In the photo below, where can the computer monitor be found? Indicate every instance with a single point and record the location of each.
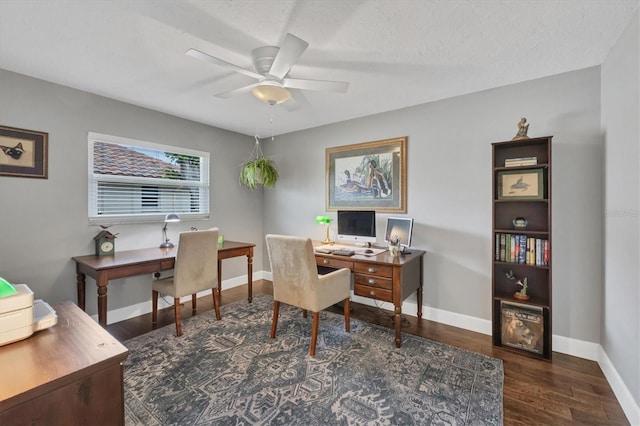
(357, 226)
(400, 226)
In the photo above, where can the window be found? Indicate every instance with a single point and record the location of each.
(134, 181)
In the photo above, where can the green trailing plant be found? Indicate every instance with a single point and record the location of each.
(259, 170)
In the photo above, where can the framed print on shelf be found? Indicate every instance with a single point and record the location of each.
(370, 175)
(23, 152)
(520, 184)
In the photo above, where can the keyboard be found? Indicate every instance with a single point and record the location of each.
(344, 252)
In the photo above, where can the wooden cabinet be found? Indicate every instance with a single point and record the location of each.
(69, 374)
(522, 246)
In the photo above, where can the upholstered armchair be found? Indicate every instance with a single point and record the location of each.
(196, 269)
(296, 282)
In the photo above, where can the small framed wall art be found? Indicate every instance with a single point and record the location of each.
(521, 184)
(23, 152)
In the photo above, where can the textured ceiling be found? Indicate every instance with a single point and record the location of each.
(394, 53)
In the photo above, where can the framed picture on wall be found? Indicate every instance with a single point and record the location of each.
(520, 184)
(23, 152)
(370, 175)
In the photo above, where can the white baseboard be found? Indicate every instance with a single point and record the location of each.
(142, 308)
(629, 405)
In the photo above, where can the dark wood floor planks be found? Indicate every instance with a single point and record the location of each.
(564, 391)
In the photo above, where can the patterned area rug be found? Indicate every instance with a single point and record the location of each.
(229, 372)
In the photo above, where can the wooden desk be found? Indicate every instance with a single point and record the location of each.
(68, 374)
(383, 277)
(146, 261)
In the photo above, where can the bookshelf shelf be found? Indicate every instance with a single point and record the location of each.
(522, 191)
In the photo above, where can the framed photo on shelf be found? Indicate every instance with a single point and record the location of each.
(520, 184)
(522, 327)
(370, 175)
(23, 152)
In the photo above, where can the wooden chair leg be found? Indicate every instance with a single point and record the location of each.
(194, 301)
(154, 307)
(176, 304)
(347, 316)
(304, 313)
(274, 322)
(216, 302)
(314, 333)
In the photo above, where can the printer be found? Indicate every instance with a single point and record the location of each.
(20, 315)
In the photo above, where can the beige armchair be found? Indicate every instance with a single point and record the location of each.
(196, 269)
(296, 282)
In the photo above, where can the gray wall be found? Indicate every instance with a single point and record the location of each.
(620, 336)
(44, 221)
(449, 189)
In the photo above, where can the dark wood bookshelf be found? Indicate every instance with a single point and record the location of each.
(523, 326)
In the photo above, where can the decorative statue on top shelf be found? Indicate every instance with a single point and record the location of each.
(523, 128)
(522, 282)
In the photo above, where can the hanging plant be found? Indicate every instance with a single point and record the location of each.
(259, 170)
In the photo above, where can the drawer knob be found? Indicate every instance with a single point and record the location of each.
(372, 293)
(325, 261)
(372, 281)
(372, 270)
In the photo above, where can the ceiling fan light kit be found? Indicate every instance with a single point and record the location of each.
(272, 66)
(271, 93)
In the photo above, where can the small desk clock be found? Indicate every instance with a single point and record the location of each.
(105, 243)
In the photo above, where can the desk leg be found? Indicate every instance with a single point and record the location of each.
(102, 281)
(250, 275)
(80, 278)
(420, 302)
(397, 321)
(219, 281)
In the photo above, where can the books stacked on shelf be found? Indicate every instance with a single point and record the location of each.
(520, 161)
(516, 248)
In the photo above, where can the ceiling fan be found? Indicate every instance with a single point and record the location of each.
(272, 65)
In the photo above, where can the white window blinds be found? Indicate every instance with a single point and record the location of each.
(134, 181)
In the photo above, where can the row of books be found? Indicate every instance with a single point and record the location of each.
(520, 161)
(516, 248)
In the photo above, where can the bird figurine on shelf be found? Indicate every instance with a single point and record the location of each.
(523, 128)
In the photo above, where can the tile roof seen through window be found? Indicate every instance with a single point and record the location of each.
(111, 159)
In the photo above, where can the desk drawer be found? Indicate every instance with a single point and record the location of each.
(370, 268)
(373, 293)
(333, 263)
(372, 281)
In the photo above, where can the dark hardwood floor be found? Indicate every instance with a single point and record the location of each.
(567, 390)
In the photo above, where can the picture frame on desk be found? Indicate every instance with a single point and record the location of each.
(23, 153)
(521, 184)
(369, 175)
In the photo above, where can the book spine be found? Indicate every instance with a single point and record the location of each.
(497, 247)
(513, 248)
(503, 246)
(523, 249)
(507, 248)
(546, 252)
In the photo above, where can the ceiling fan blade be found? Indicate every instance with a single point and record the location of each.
(319, 85)
(194, 53)
(235, 92)
(290, 50)
(297, 101)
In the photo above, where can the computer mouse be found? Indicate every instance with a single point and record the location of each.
(368, 251)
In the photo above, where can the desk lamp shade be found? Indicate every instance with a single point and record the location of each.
(6, 289)
(171, 217)
(326, 220)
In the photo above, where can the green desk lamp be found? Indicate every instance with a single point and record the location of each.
(326, 220)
